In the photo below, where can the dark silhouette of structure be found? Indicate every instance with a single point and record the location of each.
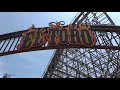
(6, 76)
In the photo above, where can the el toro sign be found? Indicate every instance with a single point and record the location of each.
(57, 35)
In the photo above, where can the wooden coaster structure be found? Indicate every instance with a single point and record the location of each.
(74, 61)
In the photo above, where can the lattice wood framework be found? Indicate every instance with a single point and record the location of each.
(88, 62)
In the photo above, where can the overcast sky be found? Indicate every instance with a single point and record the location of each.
(32, 64)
